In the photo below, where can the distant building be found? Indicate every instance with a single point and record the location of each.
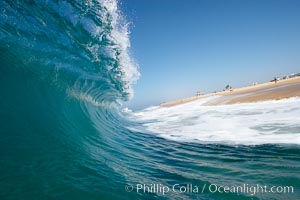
(290, 76)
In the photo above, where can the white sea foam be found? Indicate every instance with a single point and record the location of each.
(120, 36)
(270, 122)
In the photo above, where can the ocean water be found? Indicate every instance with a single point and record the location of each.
(65, 69)
(269, 122)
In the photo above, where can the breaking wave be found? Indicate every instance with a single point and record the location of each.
(65, 67)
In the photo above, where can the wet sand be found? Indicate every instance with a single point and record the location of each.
(256, 93)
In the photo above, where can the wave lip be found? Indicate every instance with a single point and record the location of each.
(120, 36)
(84, 45)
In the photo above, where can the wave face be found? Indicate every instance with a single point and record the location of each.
(84, 43)
(65, 68)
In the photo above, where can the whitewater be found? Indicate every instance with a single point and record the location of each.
(269, 122)
(66, 69)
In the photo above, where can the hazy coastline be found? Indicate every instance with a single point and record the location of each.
(255, 93)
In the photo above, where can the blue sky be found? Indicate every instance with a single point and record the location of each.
(185, 46)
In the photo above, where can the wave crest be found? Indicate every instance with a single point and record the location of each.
(84, 43)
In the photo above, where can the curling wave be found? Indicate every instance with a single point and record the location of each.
(84, 43)
(65, 67)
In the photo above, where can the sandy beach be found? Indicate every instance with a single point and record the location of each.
(255, 93)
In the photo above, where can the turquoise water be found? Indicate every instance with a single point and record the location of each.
(64, 70)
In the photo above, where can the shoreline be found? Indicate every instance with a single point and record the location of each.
(249, 94)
